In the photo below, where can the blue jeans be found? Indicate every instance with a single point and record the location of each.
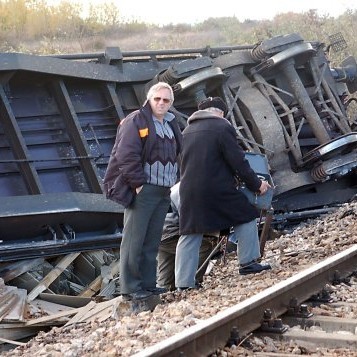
(187, 251)
(247, 239)
(186, 261)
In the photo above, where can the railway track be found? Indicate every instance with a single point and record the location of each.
(228, 306)
(213, 333)
(325, 325)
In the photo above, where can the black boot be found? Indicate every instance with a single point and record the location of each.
(253, 267)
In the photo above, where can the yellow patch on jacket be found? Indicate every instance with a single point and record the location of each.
(144, 132)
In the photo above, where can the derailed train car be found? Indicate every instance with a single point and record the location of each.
(59, 116)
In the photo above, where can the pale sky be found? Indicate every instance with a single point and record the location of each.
(161, 12)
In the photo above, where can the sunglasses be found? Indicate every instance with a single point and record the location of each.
(165, 100)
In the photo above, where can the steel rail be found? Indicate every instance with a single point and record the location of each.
(208, 335)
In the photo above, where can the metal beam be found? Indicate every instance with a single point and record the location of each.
(19, 148)
(112, 98)
(78, 141)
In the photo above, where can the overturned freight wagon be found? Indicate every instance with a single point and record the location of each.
(59, 116)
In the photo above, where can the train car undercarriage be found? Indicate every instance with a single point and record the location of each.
(59, 116)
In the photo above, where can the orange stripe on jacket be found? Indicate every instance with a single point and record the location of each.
(144, 132)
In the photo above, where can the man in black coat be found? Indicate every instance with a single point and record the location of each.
(211, 162)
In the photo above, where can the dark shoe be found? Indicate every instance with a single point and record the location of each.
(253, 268)
(197, 286)
(138, 295)
(231, 247)
(157, 290)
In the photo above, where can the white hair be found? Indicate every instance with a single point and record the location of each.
(156, 87)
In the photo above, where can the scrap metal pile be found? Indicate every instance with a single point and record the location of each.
(59, 116)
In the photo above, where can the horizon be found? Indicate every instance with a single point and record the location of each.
(192, 12)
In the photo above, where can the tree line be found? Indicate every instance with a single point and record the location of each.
(34, 26)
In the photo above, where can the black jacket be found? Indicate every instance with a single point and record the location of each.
(211, 159)
(132, 148)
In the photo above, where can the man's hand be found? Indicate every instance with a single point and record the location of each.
(264, 187)
(138, 189)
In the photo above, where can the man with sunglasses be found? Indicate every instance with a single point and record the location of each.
(141, 170)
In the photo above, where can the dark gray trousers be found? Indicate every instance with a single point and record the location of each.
(143, 224)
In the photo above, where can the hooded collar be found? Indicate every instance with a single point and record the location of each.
(202, 114)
